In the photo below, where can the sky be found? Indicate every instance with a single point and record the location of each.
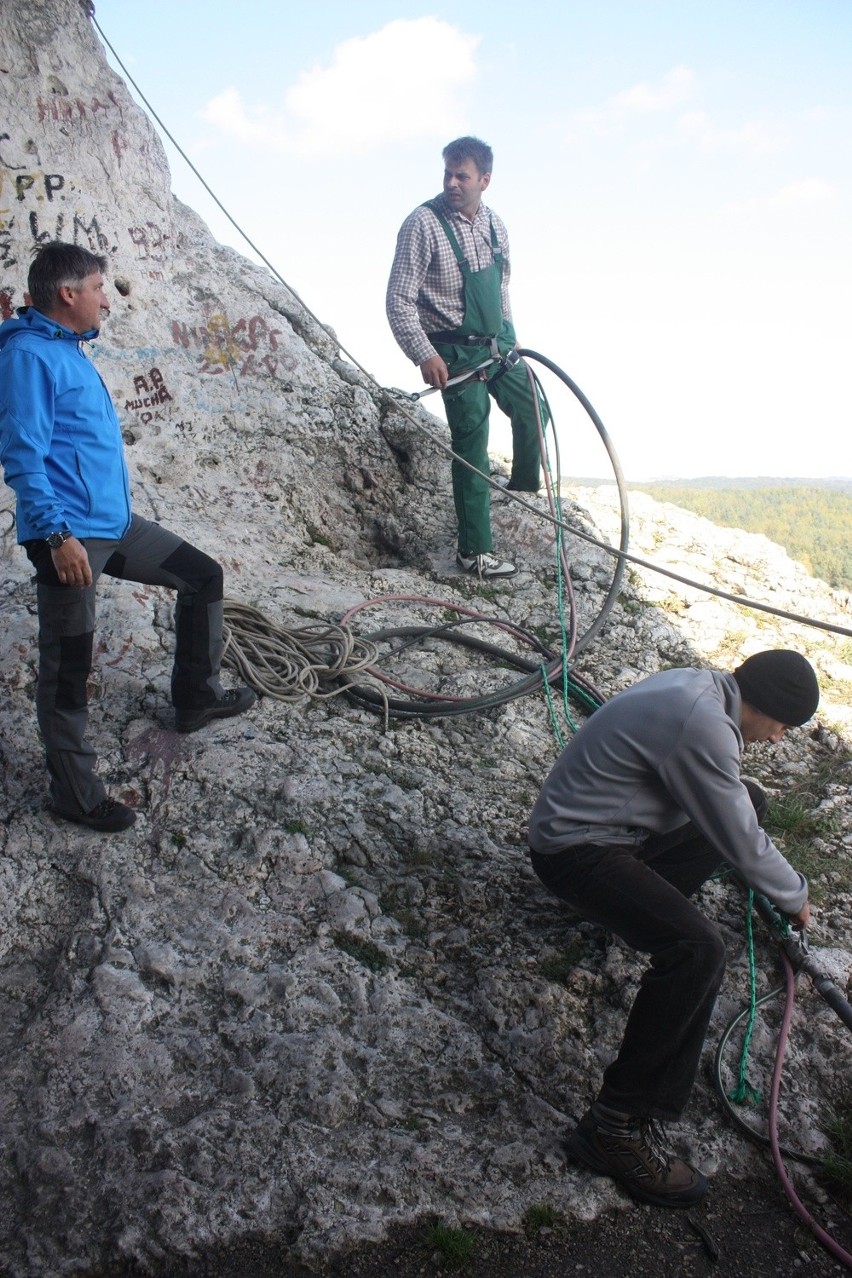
(675, 178)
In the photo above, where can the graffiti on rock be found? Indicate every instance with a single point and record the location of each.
(68, 110)
(249, 347)
(150, 242)
(149, 390)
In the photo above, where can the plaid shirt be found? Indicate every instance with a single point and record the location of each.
(425, 290)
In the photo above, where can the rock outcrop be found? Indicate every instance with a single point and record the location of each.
(316, 990)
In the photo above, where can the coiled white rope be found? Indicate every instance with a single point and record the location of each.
(290, 664)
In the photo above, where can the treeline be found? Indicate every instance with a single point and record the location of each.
(813, 524)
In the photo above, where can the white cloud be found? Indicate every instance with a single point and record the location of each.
(229, 115)
(405, 81)
(804, 194)
(676, 87)
(808, 191)
(666, 99)
(753, 136)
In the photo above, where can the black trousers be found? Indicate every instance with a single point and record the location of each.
(642, 895)
(154, 556)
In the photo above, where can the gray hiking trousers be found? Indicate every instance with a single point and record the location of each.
(153, 556)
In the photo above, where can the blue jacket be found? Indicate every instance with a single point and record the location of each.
(60, 439)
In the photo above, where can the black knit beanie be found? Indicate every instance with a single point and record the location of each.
(781, 684)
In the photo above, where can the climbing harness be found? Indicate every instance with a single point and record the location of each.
(453, 381)
(507, 361)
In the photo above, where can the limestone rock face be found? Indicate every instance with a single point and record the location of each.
(316, 990)
(227, 388)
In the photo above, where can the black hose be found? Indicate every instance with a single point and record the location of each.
(801, 960)
(435, 707)
(620, 561)
(465, 641)
(550, 668)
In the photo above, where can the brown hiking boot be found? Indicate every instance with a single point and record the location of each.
(633, 1154)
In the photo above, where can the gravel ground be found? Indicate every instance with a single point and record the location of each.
(743, 1229)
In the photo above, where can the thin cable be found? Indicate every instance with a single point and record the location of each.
(90, 9)
(625, 557)
(557, 731)
(450, 631)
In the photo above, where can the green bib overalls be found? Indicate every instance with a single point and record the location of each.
(467, 406)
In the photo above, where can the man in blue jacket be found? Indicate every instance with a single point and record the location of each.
(62, 453)
(642, 806)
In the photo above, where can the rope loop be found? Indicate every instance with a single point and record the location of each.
(288, 665)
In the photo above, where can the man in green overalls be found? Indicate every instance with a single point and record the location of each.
(448, 308)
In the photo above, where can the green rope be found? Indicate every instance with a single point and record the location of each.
(744, 1093)
(554, 720)
(584, 698)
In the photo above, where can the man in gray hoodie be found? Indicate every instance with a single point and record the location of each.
(642, 806)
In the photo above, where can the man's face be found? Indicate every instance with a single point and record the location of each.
(757, 726)
(463, 186)
(85, 306)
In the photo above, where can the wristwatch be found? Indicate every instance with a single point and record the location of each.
(57, 539)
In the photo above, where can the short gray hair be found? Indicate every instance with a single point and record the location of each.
(58, 265)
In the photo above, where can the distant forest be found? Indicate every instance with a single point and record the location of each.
(811, 519)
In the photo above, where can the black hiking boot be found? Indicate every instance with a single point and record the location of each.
(108, 817)
(229, 704)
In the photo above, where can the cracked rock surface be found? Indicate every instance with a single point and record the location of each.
(316, 994)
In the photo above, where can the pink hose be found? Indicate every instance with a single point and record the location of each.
(798, 1206)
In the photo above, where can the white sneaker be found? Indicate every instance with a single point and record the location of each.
(485, 565)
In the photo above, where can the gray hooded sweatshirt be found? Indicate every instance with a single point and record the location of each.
(661, 753)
